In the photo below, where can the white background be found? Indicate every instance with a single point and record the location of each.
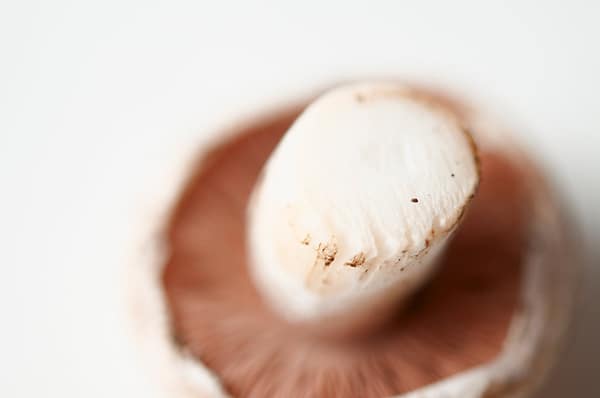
(90, 91)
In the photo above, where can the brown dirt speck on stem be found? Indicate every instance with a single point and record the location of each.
(357, 260)
(327, 253)
(306, 240)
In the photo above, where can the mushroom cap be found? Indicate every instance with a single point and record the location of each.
(537, 328)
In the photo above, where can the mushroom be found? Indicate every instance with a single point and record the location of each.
(471, 310)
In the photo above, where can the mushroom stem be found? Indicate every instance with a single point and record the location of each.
(356, 204)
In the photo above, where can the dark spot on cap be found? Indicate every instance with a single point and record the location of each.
(414, 200)
(452, 175)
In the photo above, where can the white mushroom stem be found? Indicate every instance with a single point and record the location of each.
(357, 202)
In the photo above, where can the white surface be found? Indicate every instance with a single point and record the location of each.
(340, 185)
(90, 90)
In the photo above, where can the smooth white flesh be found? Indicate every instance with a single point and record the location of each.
(357, 202)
